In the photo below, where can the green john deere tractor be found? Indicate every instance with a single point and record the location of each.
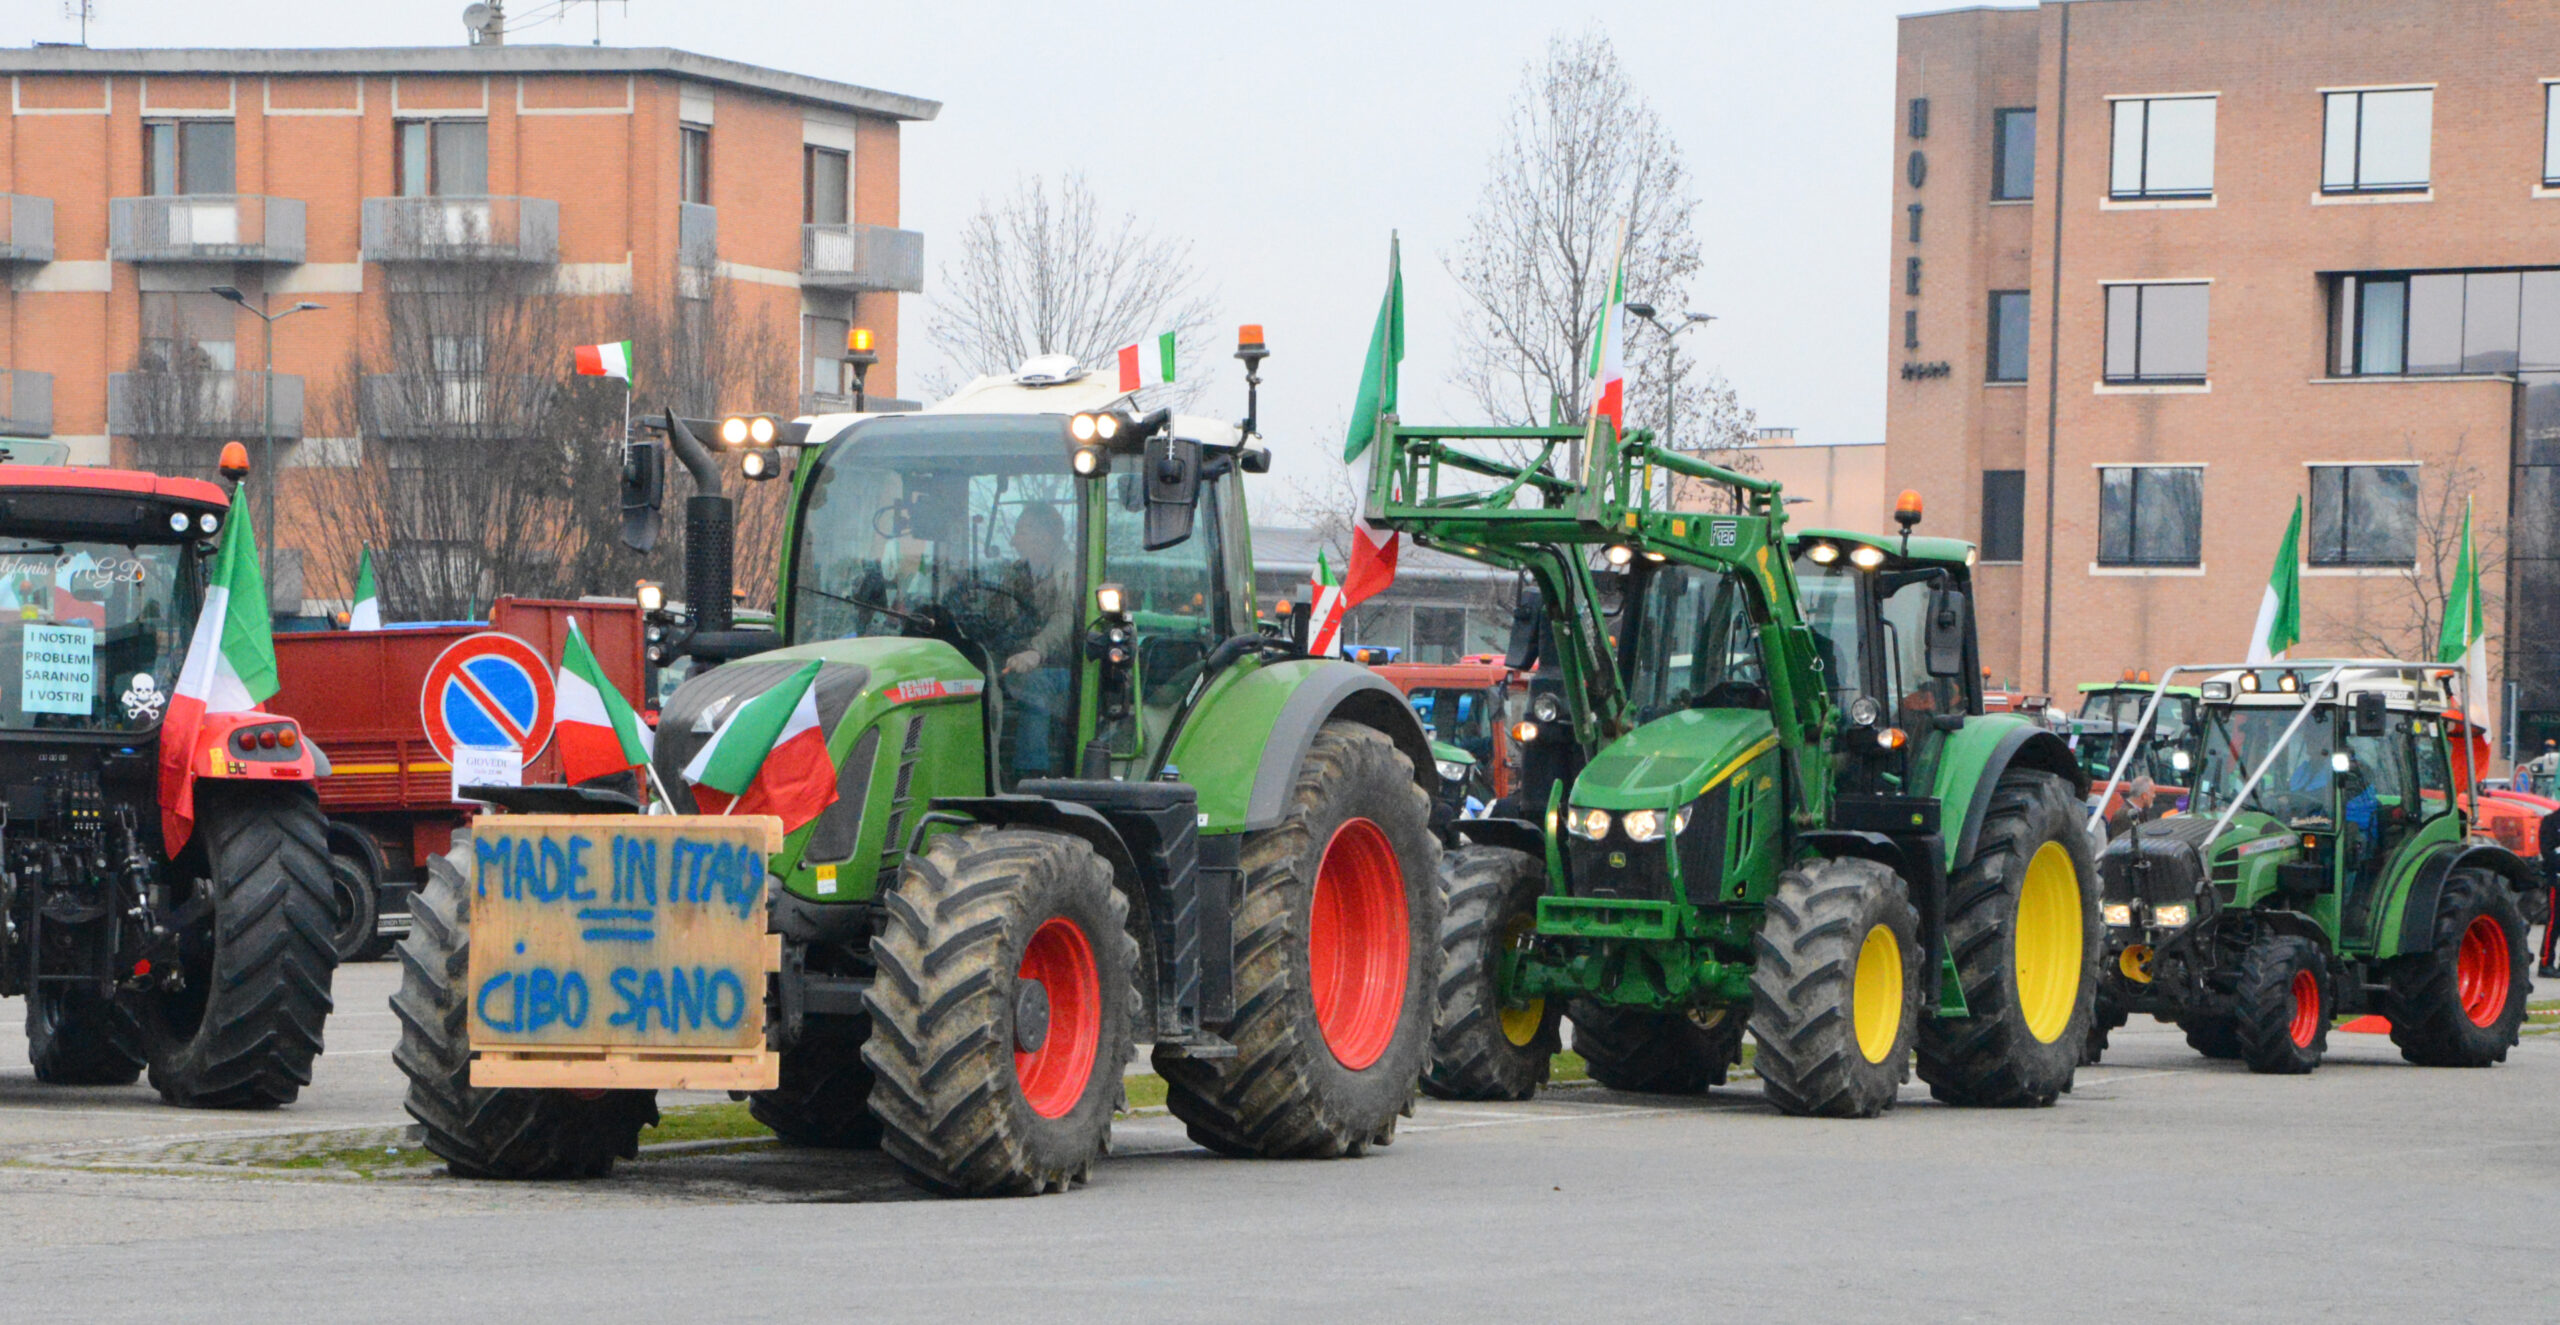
(1772, 799)
(1081, 800)
(2324, 868)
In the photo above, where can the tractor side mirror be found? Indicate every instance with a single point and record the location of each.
(2370, 715)
(1945, 633)
(644, 490)
(1173, 489)
(1528, 616)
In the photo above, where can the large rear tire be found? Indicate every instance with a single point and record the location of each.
(1836, 990)
(1337, 955)
(2213, 1034)
(241, 1028)
(482, 1132)
(359, 868)
(1483, 1048)
(824, 1101)
(77, 1037)
(1001, 1013)
(2022, 926)
(2280, 1009)
(1658, 1053)
(2462, 1002)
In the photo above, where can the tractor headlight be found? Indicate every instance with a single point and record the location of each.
(1588, 824)
(178, 522)
(2174, 915)
(1867, 558)
(2119, 914)
(1452, 771)
(208, 522)
(1547, 708)
(1644, 825)
(733, 432)
(1081, 427)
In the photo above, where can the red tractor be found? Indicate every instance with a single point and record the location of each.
(204, 957)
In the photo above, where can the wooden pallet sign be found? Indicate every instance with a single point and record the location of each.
(621, 952)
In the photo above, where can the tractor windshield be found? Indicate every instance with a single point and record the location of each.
(2296, 787)
(1463, 716)
(91, 634)
(969, 521)
(1695, 646)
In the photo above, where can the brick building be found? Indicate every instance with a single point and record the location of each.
(2160, 268)
(133, 182)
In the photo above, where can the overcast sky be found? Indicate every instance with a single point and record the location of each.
(1285, 140)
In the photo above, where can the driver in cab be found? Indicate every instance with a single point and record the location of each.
(1037, 674)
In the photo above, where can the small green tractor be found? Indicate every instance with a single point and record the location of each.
(2324, 868)
(1771, 799)
(1082, 801)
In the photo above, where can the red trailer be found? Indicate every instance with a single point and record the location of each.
(389, 794)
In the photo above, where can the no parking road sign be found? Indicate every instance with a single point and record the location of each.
(489, 689)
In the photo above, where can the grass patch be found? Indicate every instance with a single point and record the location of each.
(364, 1160)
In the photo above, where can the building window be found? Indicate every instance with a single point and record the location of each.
(2163, 148)
(2006, 360)
(2013, 155)
(693, 163)
(2551, 139)
(2364, 515)
(827, 175)
(2150, 515)
(2004, 515)
(2156, 333)
(186, 333)
(442, 158)
(823, 339)
(2434, 323)
(187, 156)
(1439, 634)
(2376, 142)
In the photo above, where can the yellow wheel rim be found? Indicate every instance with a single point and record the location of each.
(1520, 1024)
(2048, 940)
(1876, 994)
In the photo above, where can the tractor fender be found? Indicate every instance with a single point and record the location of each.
(2297, 925)
(211, 757)
(1243, 743)
(2418, 905)
(1974, 760)
(1052, 816)
(1859, 845)
(1511, 834)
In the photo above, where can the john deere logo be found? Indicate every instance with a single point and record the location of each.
(1617, 860)
(1725, 533)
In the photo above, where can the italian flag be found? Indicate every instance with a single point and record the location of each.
(1609, 346)
(367, 612)
(1147, 363)
(610, 360)
(1324, 628)
(230, 668)
(2279, 625)
(2465, 638)
(768, 757)
(596, 732)
(1373, 563)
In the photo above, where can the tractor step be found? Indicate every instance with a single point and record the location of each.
(1200, 1044)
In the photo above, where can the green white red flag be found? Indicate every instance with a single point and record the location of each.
(1373, 563)
(608, 360)
(768, 757)
(366, 613)
(2279, 624)
(1324, 627)
(230, 668)
(596, 731)
(1147, 363)
(2465, 637)
(1609, 346)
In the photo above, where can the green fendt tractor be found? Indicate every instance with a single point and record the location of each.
(2324, 868)
(1082, 799)
(1773, 799)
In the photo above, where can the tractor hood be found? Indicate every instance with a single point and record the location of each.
(899, 670)
(1672, 761)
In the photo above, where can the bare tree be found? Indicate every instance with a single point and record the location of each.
(1042, 271)
(2405, 618)
(1585, 154)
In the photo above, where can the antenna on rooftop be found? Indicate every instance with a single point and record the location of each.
(83, 10)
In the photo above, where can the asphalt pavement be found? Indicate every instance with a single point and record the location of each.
(2164, 1188)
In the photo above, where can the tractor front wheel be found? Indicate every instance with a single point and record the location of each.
(2213, 1034)
(1836, 990)
(239, 1025)
(2022, 926)
(1658, 1053)
(1483, 1046)
(78, 1037)
(2461, 1003)
(1337, 954)
(2280, 1011)
(1000, 1017)
(478, 1131)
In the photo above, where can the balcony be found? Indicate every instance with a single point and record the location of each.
(26, 404)
(697, 235)
(829, 402)
(26, 228)
(191, 404)
(504, 230)
(455, 406)
(861, 257)
(205, 228)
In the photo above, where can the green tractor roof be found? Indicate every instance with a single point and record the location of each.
(1950, 551)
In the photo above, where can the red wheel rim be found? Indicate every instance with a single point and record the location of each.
(2306, 1009)
(1060, 960)
(1357, 942)
(2480, 971)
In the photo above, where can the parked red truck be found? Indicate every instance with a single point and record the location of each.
(389, 794)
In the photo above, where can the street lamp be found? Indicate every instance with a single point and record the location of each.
(267, 427)
(1670, 396)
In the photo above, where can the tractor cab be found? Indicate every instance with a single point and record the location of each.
(1892, 621)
